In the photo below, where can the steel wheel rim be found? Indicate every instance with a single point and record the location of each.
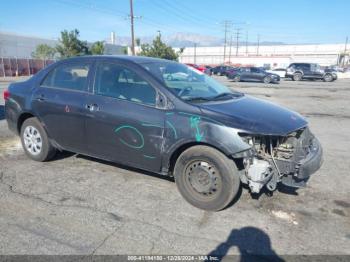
(203, 179)
(32, 140)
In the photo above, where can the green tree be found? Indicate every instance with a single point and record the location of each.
(159, 49)
(70, 45)
(44, 51)
(97, 48)
(138, 41)
(125, 50)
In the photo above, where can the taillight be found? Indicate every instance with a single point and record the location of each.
(6, 94)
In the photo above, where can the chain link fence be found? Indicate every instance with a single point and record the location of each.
(11, 67)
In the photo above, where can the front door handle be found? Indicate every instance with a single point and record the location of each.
(92, 107)
(40, 98)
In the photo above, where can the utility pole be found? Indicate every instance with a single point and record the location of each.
(227, 25)
(246, 43)
(229, 55)
(132, 27)
(345, 49)
(257, 49)
(195, 53)
(238, 30)
(3, 67)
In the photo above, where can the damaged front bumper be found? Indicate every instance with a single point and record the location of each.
(289, 160)
(306, 167)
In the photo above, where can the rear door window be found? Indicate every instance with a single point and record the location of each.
(68, 76)
(117, 81)
(305, 67)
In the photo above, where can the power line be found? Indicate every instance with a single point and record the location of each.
(179, 14)
(93, 8)
(188, 14)
(183, 8)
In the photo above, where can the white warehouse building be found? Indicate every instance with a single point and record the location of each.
(266, 55)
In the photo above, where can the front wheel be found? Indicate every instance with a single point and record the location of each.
(206, 178)
(328, 78)
(35, 141)
(237, 78)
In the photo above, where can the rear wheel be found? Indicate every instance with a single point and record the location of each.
(328, 78)
(35, 141)
(297, 77)
(206, 178)
(267, 80)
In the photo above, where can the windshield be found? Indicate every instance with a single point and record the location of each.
(188, 83)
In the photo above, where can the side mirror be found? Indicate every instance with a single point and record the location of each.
(163, 102)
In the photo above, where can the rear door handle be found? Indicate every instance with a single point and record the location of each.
(92, 107)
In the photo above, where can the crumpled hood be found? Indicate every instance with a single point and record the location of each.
(255, 116)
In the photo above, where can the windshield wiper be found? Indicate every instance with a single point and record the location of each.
(198, 98)
(217, 97)
(226, 95)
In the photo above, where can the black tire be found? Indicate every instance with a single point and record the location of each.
(206, 178)
(328, 78)
(47, 151)
(267, 80)
(237, 78)
(297, 77)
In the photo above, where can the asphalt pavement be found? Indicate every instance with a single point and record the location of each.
(80, 205)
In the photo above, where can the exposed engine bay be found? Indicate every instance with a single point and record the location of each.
(290, 159)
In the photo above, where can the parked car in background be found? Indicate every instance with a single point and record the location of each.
(278, 71)
(198, 67)
(166, 118)
(232, 71)
(208, 70)
(220, 70)
(253, 74)
(311, 71)
(336, 68)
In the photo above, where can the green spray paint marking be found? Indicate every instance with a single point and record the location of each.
(169, 113)
(203, 117)
(150, 157)
(126, 143)
(173, 128)
(194, 121)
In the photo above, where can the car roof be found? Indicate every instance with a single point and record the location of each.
(135, 59)
(303, 64)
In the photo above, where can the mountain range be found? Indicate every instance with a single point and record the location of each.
(187, 40)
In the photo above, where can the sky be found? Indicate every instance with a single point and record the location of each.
(288, 21)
